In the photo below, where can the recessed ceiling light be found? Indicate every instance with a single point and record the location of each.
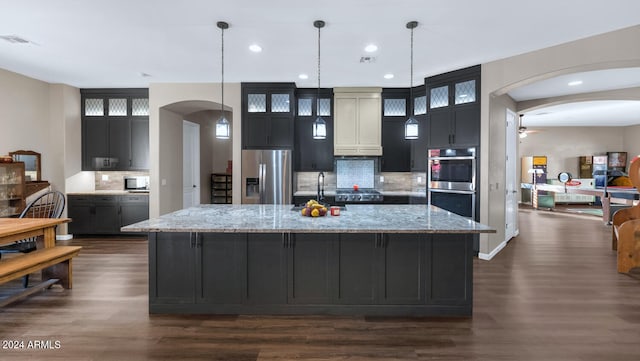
(371, 48)
(303, 76)
(255, 48)
(388, 76)
(575, 82)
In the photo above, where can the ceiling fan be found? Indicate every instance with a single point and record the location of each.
(522, 130)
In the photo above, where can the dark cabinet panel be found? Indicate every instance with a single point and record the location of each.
(280, 132)
(107, 218)
(311, 276)
(451, 273)
(467, 126)
(420, 146)
(313, 154)
(95, 142)
(357, 258)
(81, 214)
(266, 281)
(219, 274)
(120, 142)
(396, 151)
(140, 143)
(172, 264)
(402, 278)
(440, 129)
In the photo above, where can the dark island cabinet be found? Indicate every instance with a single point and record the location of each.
(402, 275)
(173, 268)
(284, 273)
(357, 266)
(268, 111)
(454, 108)
(196, 268)
(311, 264)
(265, 264)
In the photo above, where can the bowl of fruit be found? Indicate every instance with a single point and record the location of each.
(313, 209)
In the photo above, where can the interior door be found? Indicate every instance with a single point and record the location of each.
(190, 164)
(511, 187)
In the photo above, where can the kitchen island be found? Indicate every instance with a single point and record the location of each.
(408, 260)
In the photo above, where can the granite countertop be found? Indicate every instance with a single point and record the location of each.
(106, 192)
(384, 193)
(280, 218)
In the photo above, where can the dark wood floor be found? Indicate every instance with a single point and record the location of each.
(552, 294)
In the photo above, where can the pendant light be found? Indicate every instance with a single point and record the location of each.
(411, 125)
(319, 125)
(223, 128)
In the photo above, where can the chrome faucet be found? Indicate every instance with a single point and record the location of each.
(320, 196)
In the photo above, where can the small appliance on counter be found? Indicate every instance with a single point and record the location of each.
(136, 184)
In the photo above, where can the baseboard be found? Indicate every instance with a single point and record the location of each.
(489, 256)
(64, 237)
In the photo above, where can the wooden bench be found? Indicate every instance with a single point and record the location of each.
(625, 233)
(55, 263)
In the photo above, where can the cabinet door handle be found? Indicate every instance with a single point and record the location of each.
(191, 242)
(453, 139)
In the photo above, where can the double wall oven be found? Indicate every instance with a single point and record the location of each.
(452, 180)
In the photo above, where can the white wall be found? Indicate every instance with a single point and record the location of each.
(610, 50)
(631, 140)
(43, 117)
(563, 145)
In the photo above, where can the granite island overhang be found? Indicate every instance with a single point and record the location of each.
(396, 260)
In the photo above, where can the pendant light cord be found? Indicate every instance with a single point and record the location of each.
(222, 84)
(318, 98)
(411, 78)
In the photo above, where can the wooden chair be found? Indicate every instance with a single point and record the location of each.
(626, 228)
(48, 205)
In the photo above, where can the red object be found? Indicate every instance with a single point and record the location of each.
(335, 211)
(355, 187)
(574, 183)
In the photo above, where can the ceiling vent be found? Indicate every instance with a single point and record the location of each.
(367, 59)
(14, 39)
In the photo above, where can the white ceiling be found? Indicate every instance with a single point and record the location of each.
(91, 44)
(591, 113)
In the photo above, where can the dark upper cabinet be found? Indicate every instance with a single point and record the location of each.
(140, 143)
(454, 108)
(268, 111)
(313, 154)
(396, 150)
(115, 129)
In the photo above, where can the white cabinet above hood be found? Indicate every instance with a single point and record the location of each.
(358, 121)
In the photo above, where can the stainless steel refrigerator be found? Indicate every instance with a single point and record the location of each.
(266, 176)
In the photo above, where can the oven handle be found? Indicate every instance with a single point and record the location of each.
(450, 191)
(453, 158)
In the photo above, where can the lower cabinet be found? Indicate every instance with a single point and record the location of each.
(105, 214)
(275, 273)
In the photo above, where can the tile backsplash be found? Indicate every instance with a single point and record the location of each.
(393, 181)
(355, 171)
(114, 181)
